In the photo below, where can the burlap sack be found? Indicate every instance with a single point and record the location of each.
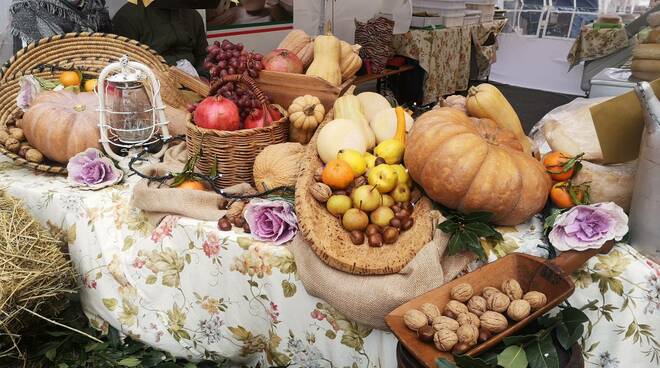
(161, 200)
(368, 299)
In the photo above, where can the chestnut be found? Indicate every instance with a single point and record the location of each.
(224, 224)
(425, 333)
(390, 235)
(379, 161)
(357, 237)
(373, 229)
(407, 224)
(375, 240)
(402, 214)
(395, 222)
(246, 228)
(460, 348)
(484, 335)
(239, 221)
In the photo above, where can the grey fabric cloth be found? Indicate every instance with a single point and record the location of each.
(32, 20)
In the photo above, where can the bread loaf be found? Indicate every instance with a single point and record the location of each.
(645, 65)
(653, 36)
(647, 51)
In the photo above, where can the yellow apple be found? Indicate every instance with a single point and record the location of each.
(383, 177)
(337, 205)
(370, 160)
(355, 219)
(391, 150)
(402, 174)
(388, 201)
(354, 159)
(401, 193)
(382, 216)
(366, 197)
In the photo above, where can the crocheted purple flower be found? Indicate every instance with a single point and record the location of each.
(271, 221)
(92, 170)
(588, 226)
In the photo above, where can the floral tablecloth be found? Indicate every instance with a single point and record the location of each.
(595, 43)
(190, 289)
(444, 54)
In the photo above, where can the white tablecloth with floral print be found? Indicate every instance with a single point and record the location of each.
(197, 292)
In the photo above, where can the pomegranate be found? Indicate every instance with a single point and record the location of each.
(258, 118)
(283, 60)
(216, 112)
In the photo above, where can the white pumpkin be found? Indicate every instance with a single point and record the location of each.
(372, 104)
(384, 124)
(339, 134)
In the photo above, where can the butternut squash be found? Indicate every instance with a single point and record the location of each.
(349, 107)
(295, 41)
(350, 61)
(485, 101)
(326, 60)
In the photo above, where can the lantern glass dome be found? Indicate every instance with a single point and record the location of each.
(128, 107)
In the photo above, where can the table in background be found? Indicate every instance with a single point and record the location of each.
(593, 44)
(187, 288)
(445, 55)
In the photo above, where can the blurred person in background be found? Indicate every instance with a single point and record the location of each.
(32, 20)
(175, 33)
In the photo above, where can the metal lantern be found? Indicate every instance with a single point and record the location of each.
(131, 111)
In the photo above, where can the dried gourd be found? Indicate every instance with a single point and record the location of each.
(277, 166)
(305, 114)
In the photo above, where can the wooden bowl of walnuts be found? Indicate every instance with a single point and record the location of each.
(475, 312)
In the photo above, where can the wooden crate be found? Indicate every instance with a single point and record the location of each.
(283, 88)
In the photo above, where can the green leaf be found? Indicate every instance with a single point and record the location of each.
(631, 329)
(550, 219)
(51, 353)
(542, 354)
(472, 362)
(456, 242)
(567, 339)
(444, 363)
(474, 245)
(512, 357)
(482, 230)
(573, 318)
(129, 362)
(288, 288)
(478, 216)
(448, 226)
(519, 340)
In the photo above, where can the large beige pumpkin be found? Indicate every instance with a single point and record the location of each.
(62, 124)
(475, 166)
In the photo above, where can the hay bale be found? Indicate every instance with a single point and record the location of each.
(34, 273)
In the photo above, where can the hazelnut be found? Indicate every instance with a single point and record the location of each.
(224, 224)
(484, 335)
(357, 237)
(318, 174)
(493, 321)
(468, 319)
(454, 308)
(12, 145)
(498, 302)
(415, 319)
(518, 310)
(426, 333)
(477, 305)
(512, 289)
(462, 292)
(402, 214)
(488, 291)
(375, 240)
(372, 229)
(467, 334)
(460, 348)
(535, 299)
(430, 310)
(34, 155)
(17, 134)
(445, 323)
(407, 224)
(4, 135)
(390, 235)
(395, 222)
(320, 192)
(445, 340)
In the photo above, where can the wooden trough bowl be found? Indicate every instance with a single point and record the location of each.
(551, 277)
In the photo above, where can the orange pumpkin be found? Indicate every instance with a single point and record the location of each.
(337, 174)
(62, 124)
(475, 166)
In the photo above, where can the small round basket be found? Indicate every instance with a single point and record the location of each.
(234, 151)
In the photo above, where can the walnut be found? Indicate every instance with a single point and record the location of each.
(23, 148)
(467, 334)
(488, 291)
(468, 319)
(445, 323)
(12, 145)
(535, 299)
(430, 310)
(454, 308)
(3, 136)
(318, 173)
(445, 340)
(17, 134)
(512, 289)
(498, 302)
(34, 155)
(477, 305)
(415, 319)
(518, 309)
(493, 321)
(235, 211)
(462, 292)
(320, 192)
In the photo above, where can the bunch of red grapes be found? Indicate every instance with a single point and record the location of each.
(228, 58)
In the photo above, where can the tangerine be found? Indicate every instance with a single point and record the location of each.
(89, 85)
(337, 174)
(192, 184)
(70, 78)
(560, 194)
(560, 165)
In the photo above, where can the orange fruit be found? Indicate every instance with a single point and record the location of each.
(554, 163)
(70, 78)
(192, 184)
(337, 174)
(560, 196)
(89, 85)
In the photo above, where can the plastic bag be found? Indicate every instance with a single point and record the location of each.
(187, 67)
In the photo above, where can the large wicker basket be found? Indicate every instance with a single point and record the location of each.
(235, 150)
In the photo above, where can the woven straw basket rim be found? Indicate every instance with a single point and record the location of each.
(332, 243)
